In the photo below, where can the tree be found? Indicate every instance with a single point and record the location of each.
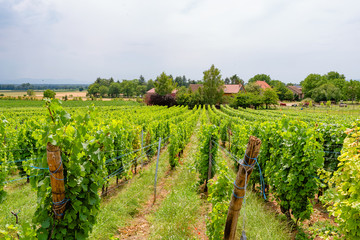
(149, 85)
(30, 92)
(93, 89)
(234, 79)
(213, 86)
(246, 100)
(280, 88)
(253, 88)
(114, 89)
(289, 95)
(141, 80)
(311, 82)
(227, 80)
(140, 90)
(352, 90)
(325, 92)
(103, 91)
(340, 83)
(270, 97)
(127, 88)
(241, 100)
(260, 77)
(334, 75)
(181, 81)
(49, 94)
(81, 89)
(164, 84)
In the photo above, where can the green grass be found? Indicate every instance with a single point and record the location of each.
(20, 198)
(260, 223)
(118, 211)
(181, 209)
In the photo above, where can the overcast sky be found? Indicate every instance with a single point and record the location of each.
(81, 40)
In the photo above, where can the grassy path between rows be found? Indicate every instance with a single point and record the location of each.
(182, 213)
(120, 208)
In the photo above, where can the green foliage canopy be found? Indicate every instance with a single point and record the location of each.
(164, 84)
(49, 94)
(213, 86)
(260, 77)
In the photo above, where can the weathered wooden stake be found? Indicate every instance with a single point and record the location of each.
(157, 166)
(252, 151)
(57, 179)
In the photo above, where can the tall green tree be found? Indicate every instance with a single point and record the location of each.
(352, 90)
(311, 82)
(141, 80)
(114, 89)
(325, 92)
(150, 84)
(234, 79)
(260, 77)
(164, 84)
(104, 90)
(270, 97)
(127, 88)
(213, 87)
(334, 75)
(93, 89)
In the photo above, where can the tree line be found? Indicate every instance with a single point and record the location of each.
(130, 88)
(26, 86)
(331, 86)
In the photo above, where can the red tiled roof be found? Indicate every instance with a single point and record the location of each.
(195, 87)
(263, 84)
(228, 88)
(232, 88)
(153, 91)
(295, 89)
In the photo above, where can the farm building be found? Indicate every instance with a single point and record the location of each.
(296, 91)
(152, 91)
(229, 89)
(263, 85)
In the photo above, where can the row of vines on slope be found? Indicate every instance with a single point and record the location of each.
(293, 156)
(92, 149)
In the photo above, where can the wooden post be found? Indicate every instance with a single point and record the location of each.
(57, 179)
(252, 151)
(157, 166)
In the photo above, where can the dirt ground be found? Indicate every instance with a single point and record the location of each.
(39, 94)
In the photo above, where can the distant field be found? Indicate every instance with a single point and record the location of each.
(39, 94)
